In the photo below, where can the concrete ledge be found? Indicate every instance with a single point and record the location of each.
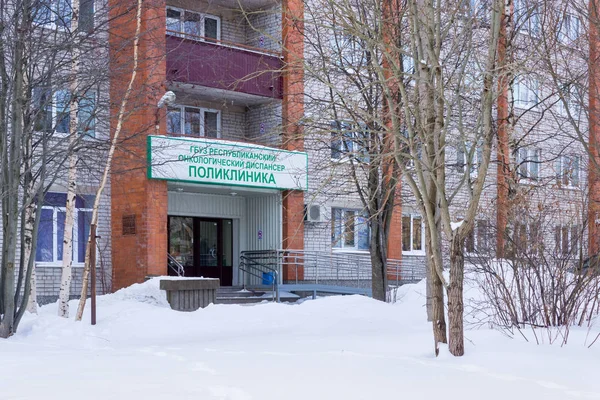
(189, 284)
(190, 294)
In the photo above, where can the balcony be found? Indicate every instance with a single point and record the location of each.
(216, 64)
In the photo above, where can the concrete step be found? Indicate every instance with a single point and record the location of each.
(238, 293)
(240, 300)
(249, 297)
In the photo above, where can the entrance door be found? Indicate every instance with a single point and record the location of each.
(204, 246)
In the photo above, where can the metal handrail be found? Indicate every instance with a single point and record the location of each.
(340, 267)
(253, 268)
(180, 269)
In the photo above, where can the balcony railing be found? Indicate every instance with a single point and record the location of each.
(223, 65)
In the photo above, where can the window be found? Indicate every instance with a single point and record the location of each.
(570, 99)
(42, 109)
(566, 239)
(413, 233)
(408, 64)
(526, 239)
(51, 111)
(349, 229)
(568, 30)
(526, 92)
(58, 13)
(479, 240)
(54, 13)
(479, 9)
(86, 15)
(568, 170)
(52, 228)
(528, 163)
(200, 26)
(87, 114)
(348, 141)
(347, 50)
(61, 111)
(527, 19)
(469, 158)
(193, 121)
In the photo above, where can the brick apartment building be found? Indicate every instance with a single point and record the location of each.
(222, 170)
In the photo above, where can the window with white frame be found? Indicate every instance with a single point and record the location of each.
(413, 234)
(408, 64)
(349, 229)
(349, 141)
(527, 17)
(479, 9)
(569, 29)
(193, 121)
(195, 24)
(566, 238)
(526, 92)
(51, 111)
(479, 240)
(58, 14)
(52, 228)
(568, 99)
(469, 157)
(528, 163)
(568, 170)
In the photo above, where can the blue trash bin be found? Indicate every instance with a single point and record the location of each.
(268, 278)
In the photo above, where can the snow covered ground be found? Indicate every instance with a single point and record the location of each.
(329, 348)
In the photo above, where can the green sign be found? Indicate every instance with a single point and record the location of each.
(226, 163)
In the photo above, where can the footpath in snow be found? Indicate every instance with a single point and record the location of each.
(331, 348)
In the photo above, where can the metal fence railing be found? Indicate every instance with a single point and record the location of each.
(319, 267)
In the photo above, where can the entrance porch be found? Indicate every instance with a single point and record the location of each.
(209, 227)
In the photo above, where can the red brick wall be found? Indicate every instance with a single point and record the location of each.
(143, 253)
(293, 111)
(392, 9)
(395, 234)
(594, 105)
(503, 174)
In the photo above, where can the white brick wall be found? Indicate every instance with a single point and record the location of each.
(264, 123)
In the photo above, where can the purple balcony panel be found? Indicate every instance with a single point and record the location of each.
(222, 67)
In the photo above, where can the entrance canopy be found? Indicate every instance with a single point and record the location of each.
(221, 162)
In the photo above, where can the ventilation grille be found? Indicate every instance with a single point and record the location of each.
(129, 224)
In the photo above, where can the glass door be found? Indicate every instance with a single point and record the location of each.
(207, 248)
(204, 246)
(214, 249)
(226, 252)
(181, 243)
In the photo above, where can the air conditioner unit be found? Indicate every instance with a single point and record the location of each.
(313, 213)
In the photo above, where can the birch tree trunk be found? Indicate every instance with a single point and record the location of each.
(111, 151)
(28, 229)
(67, 261)
(32, 299)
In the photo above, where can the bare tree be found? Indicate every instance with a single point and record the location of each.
(417, 81)
(35, 56)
